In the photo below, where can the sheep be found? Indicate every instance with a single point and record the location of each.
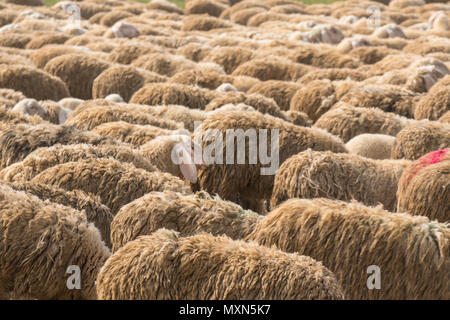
(258, 102)
(41, 240)
(425, 45)
(169, 65)
(434, 104)
(14, 39)
(203, 22)
(187, 214)
(229, 57)
(389, 31)
(126, 54)
(9, 117)
(97, 213)
(324, 33)
(124, 29)
(347, 122)
(315, 174)
(209, 7)
(251, 180)
(206, 267)
(114, 16)
(180, 114)
(123, 80)
(32, 82)
(388, 98)
(172, 154)
(17, 141)
(226, 87)
(332, 74)
(172, 93)
(70, 103)
(78, 72)
(134, 134)
(371, 145)
(243, 16)
(271, 69)
(51, 38)
(90, 117)
(47, 157)
(55, 113)
(164, 5)
(419, 138)
(323, 57)
(43, 55)
(350, 237)
(30, 107)
(116, 183)
(281, 91)
(194, 51)
(314, 99)
(426, 178)
(208, 80)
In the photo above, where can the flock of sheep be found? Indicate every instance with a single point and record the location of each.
(96, 94)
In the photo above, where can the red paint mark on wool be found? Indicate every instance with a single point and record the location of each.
(429, 159)
(436, 156)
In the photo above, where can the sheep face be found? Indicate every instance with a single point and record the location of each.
(30, 107)
(124, 30)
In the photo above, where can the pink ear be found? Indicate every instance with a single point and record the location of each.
(187, 166)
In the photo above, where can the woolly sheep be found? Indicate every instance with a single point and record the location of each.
(420, 138)
(271, 69)
(206, 267)
(17, 141)
(54, 112)
(11, 117)
(32, 82)
(245, 180)
(426, 178)
(347, 122)
(229, 57)
(203, 22)
(78, 72)
(324, 33)
(123, 80)
(314, 174)
(134, 134)
(124, 29)
(172, 154)
(207, 80)
(187, 214)
(314, 98)
(350, 237)
(114, 182)
(385, 97)
(210, 7)
(435, 103)
(47, 157)
(40, 241)
(171, 93)
(374, 146)
(257, 101)
(70, 103)
(180, 114)
(281, 91)
(97, 213)
(87, 118)
(323, 58)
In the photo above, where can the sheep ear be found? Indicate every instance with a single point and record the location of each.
(187, 166)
